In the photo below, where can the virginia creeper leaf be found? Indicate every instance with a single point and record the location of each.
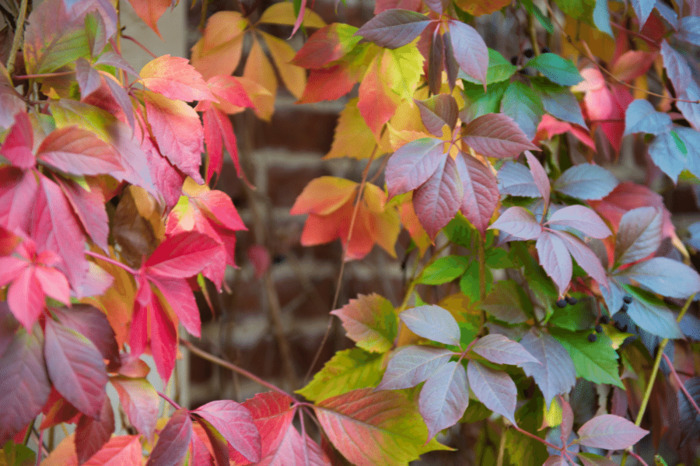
(444, 270)
(79, 152)
(666, 277)
(150, 11)
(642, 8)
(556, 68)
(235, 422)
(555, 259)
(438, 111)
(581, 218)
(642, 117)
(432, 322)
(507, 303)
(140, 403)
(495, 389)
(394, 28)
(514, 179)
(328, 44)
(444, 397)
(556, 373)
(652, 314)
(173, 441)
(584, 257)
(370, 321)
(181, 256)
(413, 164)
(586, 182)
(524, 106)
(519, 223)
(470, 50)
(272, 414)
(502, 350)
(496, 135)
(610, 432)
(174, 78)
(93, 324)
(412, 365)
(594, 361)
(92, 434)
(639, 234)
(539, 176)
(480, 187)
(19, 142)
(283, 13)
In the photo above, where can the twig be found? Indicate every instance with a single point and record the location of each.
(19, 34)
(172, 403)
(43, 75)
(680, 384)
(112, 261)
(145, 49)
(637, 457)
(216, 360)
(532, 31)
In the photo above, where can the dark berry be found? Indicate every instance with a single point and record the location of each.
(625, 307)
(627, 299)
(513, 60)
(598, 329)
(604, 319)
(545, 49)
(571, 300)
(592, 337)
(561, 303)
(528, 53)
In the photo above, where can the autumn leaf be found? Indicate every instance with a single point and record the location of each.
(174, 78)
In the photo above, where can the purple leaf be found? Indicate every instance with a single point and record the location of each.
(480, 191)
(556, 373)
(555, 460)
(639, 234)
(689, 29)
(437, 200)
(470, 50)
(539, 176)
(173, 441)
(555, 259)
(613, 295)
(689, 418)
(92, 434)
(438, 111)
(518, 222)
(586, 182)
(610, 432)
(444, 398)
(666, 277)
(432, 322)
(495, 389)
(412, 164)
(683, 82)
(501, 350)
(581, 218)
(412, 365)
(642, 8)
(24, 384)
(235, 422)
(76, 368)
(394, 28)
(496, 135)
(436, 63)
(515, 179)
(584, 257)
(139, 401)
(93, 324)
(642, 117)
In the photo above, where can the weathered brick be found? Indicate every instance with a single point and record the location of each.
(297, 130)
(284, 184)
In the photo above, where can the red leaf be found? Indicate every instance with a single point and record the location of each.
(218, 127)
(19, 142)
(438, 199)
(89, 207)
(394, 28)
(57, 411)
(496, 135)
(470, 51)
(125, 449)
(495, 389)
(174, 440)
(411, 365)
(93, 324)
(432, 322)
(518, 222)
(328, 44)
(150, 11)
(639, 234)
(481, 194)
(554, 259)
(76, 368)
(272, 414)
(444, 397)
(235, 422)
(215, 443)
(438, 111)
(24, 385)
(292, 448)
(502, 350)
(581, 218)
(178, 132)
(178, 295)
(79, 152)
(231, 94)
(413, 164)
(327, 84)
(539, 176)
(376, 103)
(18, 191)
(163, 339)
(140, 403)
(259, 258)
(181, 256)
(92, 434)
(633, 64)
(610, 432)
(175, 78)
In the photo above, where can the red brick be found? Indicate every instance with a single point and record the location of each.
(297, 130)
(285, 184)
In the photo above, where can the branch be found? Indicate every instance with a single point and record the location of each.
(680, 384)
(172, 403)
(112, 261)
(19, 34)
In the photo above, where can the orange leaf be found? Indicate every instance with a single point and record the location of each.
(283, 13)
(219, 50)
(377, 102)
(259, 70)
(175, 78)
(323, 196)
(150, 11)
(294, 77)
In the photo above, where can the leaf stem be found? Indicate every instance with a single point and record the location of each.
(43, 75)
(28, 432)
(172, 403)
(19, 34)
(532, 31)
(680, 384)
(211, 358)
(535, 437)
(145, 49)
(112, 261)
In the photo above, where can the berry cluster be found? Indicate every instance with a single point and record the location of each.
(561, 303)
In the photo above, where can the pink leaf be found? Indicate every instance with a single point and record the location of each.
(272, 414)
(610, 432)
(174, 440)
(539, 176)
(495, 389)
(163, 339)
(581, 218)
(412, 365)
(89, 208)
(218, 127)
(584, 257)
(444, 397)
(175, 78)
(470, 50)
(413, 164)
(639, 234)
(394, 28)
(125, 449)
(496, 135)
(555, 259)
(18, 192)
(178, 295)
(18, 144)
(518, 222)
(182, 255)
(88, 78)
(26, 297)
(432, 322)
(235, 422)
(501, 350)
(140, 403)
(92, 434)
(481, 194)
(150, 11)
(438, 199)
(79, 152)
(76, 368)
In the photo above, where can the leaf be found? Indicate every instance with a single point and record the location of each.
(370, 321)
(495, 389)
(432, 322)
(444, 270)
(591, 459)
(393, 28)
(519, 223)
(92, 434)
(438, 199)
(413, 164)
(610, 432)
(272, 414)
(24, 385)
(377, 103)
(689, 419)
(554, 259)
(79, 152)
(293, 76)
(499, 69)
(327, 45)
(19, 142)
(670, 154)
(594, 361)
(688, 30)
(556, 374)
(507, 303)
(642, 117)
(283, 13)
(140, 403)
(470, 50)
(181, 256)
(556, 69)
(580, 218)
(480, 187)
(652, 315)
(586, 182)
(666, 277)
(584, 256)
(642, 8)
(150, 11)
(514, 179)
(402, 69)
(328, 84)
(173, 440)
(93, 324)
(639, 234)
(218, 52)
(539, 176)
(235, 422)
(76, 368)
(444, 397)
(558, 101)
(524, 106)
(502, 350)
(496, 135)
(347, 370)
(375, 427)
(438, 111)
(411, 365)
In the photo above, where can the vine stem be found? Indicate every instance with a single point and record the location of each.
(172, 403)
(680, 384)
(43, 75)
(19, 34)
(216, 360)
(535, 437)
(112, 261)
(532, 31)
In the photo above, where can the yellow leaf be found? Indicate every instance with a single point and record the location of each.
(353, 138)
(552, 415)
(402, 69)
(283, 13)
(259, 69)
(294, 77)
(219, 49)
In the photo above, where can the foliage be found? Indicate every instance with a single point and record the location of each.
(557, 276)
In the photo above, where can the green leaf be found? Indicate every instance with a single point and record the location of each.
(370, 321)
(460, 231)
(469, 283)
(524, 106)
(16, 454)
(534, 10)
(577, 9)
(480, 103)
(573, 317)
(444, 270)
(594, 361)
(346, 371)
(556, 69)
(499, 69)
